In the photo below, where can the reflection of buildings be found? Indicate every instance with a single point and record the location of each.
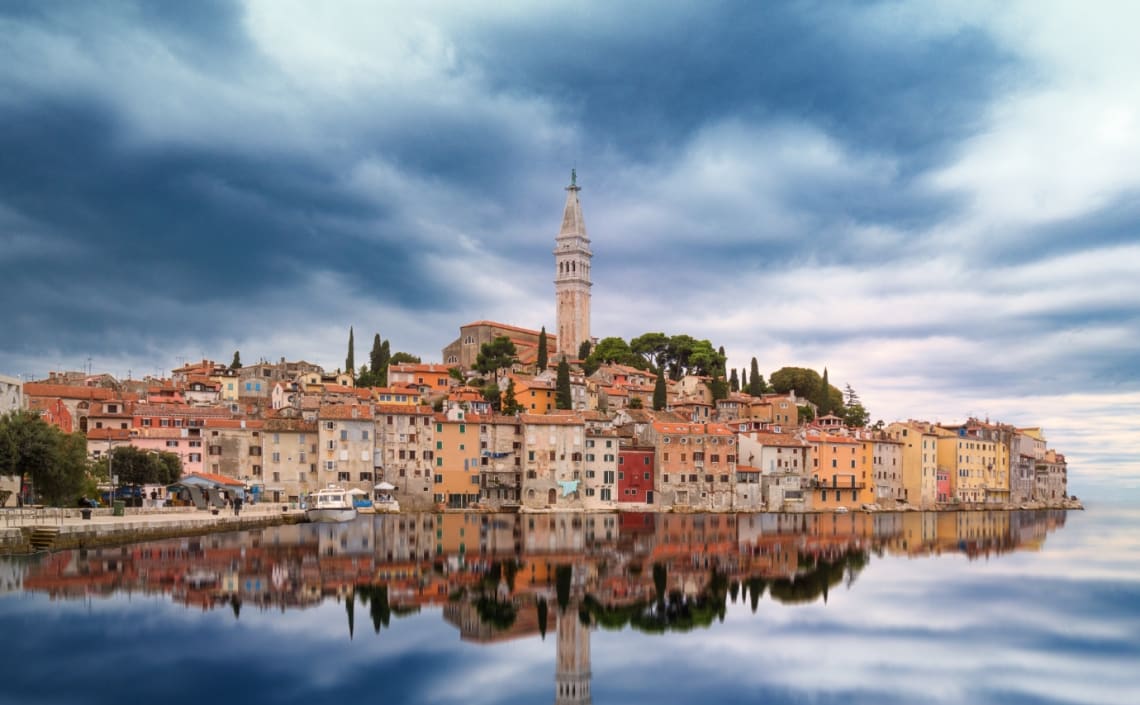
(514, 562)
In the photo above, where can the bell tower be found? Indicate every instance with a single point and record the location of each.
(572, 274)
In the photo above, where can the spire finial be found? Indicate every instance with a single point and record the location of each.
(573, 177)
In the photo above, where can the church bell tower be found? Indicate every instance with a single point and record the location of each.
(572, 275)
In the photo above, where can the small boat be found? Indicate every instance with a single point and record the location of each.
(330, 504)
(382, 499)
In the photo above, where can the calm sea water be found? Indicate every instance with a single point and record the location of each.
(1025, 607)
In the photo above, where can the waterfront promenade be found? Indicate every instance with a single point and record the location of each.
(66, 527)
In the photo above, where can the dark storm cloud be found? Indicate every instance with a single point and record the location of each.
(646, 79)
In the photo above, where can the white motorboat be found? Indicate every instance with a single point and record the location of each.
(330, 504)
(382, 499)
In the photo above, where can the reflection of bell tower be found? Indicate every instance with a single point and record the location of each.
(573, 676)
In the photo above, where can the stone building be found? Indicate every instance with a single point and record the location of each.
(572, 275)
(346, 446)
(404, 452)
(500, 461)
(555, 456)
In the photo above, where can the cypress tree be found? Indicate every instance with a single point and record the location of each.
(743, 379)
(381, 372)
(350, 361)
(824, 398)
(584, 350)
(563, 399)
(237, 360)
(734, 381)
(375, 358)
(755, 381)
(543, 360)
(659, 396)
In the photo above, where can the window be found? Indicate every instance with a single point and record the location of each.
(344, 434)
(277, 457)
(438, 479)
(342, 476)
(606, 494)
(608, 476)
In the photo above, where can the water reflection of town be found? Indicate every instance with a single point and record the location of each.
(508, 576)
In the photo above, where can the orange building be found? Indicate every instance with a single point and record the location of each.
(841, 472)
(455, 474)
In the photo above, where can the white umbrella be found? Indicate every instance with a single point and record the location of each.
(357, 490)
(385, 486)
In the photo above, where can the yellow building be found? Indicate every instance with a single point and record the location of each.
(455, 472)
(919, 461)
(977, 467)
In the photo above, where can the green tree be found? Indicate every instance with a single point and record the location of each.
(614, 349)
(805, 382)
(823, 398)
(543, 359)
(236, 363)
(385, 363)
(28, 447)
(854, 414)
(718, 388)
(511, 405)
(635, 402)
(493, 394)
(653, 349)
(756, 382)
(350, 360)
(584, 350)
(744, 379)
(733, 381)
(498, 354)
(660, 397)
(404, 358)
(376, 361)
(563, 398)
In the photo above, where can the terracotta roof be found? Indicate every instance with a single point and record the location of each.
(551, 420)
(429, 367)
(550, 337)
(407, 409)
(66, 391)
(218, 479)
(784, 440)
(346, 412)
(234, 423)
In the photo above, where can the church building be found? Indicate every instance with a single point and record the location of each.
(572, 295)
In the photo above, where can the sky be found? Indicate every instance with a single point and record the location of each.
(935, 201)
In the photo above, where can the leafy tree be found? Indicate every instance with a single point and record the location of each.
(806, 414)
(584, 350)
(32, 448)
(756, 382)
(236, 361)
(614, 350)
(653, 348)
(563, 398)
(350, 360)
(511, 405)
(498, 354)
(805, 382)
(733, 381)
(404, 358)
(660, 397)
(704, 360)
(543, 359)
(635, 402)
(456, 374)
